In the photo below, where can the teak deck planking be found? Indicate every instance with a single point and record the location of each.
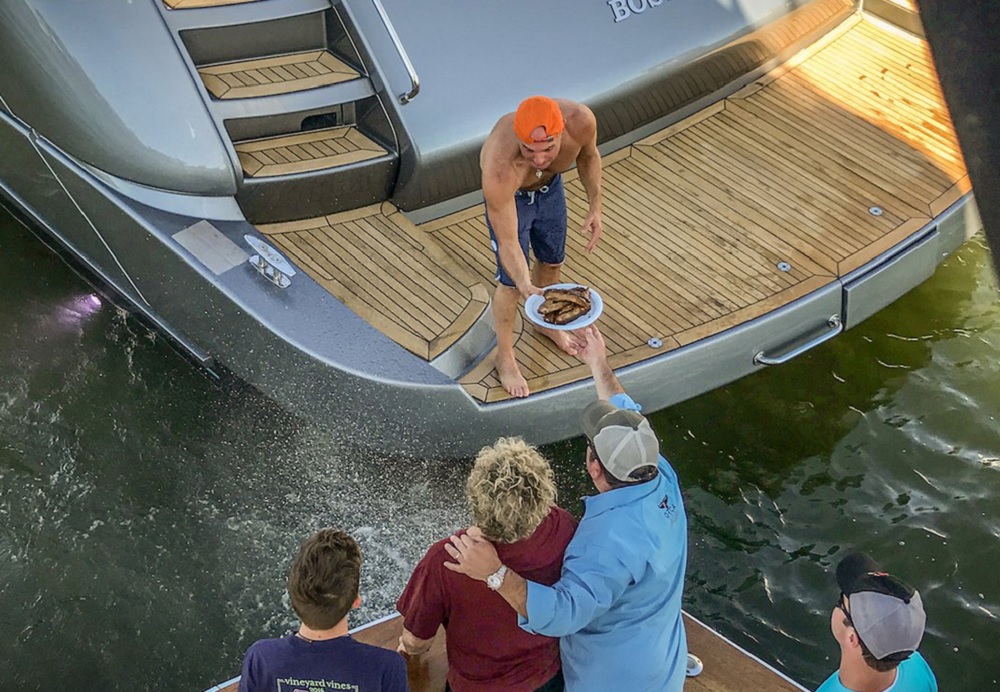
(306, 151)
(191, 4)
(727, 668)
(697, 217)
(279, 74)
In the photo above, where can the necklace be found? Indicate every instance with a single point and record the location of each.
(538, 173)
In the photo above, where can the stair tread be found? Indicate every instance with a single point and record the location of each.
(188, 4)
(278, 74)
(306, 151)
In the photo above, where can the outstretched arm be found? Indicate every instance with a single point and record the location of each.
(503, 217)
(595, 354)
(499, 185)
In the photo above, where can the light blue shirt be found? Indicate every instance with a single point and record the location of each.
(912, 675)
(617, 604)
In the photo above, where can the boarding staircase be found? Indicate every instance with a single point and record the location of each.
(287, 83)
(293, 85)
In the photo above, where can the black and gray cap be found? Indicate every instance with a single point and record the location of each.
(887, 614)
(622, 439)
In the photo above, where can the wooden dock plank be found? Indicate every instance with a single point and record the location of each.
(727, 668)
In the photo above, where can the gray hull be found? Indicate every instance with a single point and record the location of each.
(114, 149)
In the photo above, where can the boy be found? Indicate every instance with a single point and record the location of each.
(323, 587)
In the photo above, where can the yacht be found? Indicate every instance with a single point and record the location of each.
(289, 190)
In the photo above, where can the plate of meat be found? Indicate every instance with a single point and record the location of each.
(564, 306)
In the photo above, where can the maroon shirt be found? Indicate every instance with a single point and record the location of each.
(486, 649)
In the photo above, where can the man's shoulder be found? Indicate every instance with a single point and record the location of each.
(498, 156)
(435, 557)
(580, 121)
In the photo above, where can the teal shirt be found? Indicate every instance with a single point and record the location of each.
(617, 605)
(913, 675)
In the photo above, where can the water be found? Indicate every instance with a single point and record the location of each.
(147, 512)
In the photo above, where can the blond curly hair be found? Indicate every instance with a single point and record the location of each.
(510, 490)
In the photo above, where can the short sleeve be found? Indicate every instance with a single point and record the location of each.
(394, 678)
(250, 675)
(422, 601)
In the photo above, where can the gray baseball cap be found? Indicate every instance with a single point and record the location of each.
(622, 439)
(887, 613)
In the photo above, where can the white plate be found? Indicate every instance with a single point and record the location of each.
(534, 302)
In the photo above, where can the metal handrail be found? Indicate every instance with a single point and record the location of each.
(414, 79)
(833, 327)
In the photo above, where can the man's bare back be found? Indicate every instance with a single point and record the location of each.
(520, 156)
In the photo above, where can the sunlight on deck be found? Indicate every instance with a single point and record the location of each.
(890, 83)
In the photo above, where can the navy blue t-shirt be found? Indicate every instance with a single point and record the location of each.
(292, 664)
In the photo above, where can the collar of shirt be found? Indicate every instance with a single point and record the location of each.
(603, 502)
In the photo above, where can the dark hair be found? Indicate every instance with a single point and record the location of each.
(885, 664)
(882, 665)
(324, 578)
(639, 475)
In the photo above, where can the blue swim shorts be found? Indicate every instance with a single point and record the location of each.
(541, 222)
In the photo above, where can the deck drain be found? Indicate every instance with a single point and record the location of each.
(784, 267)
(875, 211)
(654, 342)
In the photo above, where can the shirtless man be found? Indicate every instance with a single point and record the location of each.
(522, 160)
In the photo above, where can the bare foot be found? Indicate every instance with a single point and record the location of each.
(564, 341)
(511, 378)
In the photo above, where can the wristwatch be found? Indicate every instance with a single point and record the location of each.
(495, 580)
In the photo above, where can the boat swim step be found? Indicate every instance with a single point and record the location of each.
(190, 4)
(306, 151)
(276, 74)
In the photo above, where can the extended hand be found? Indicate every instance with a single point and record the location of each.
(592, 224)
(592, 349)
(473, 555)
(530, 290)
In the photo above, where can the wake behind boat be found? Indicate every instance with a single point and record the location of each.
(289, 189)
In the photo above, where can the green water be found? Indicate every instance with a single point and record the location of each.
(147, 513)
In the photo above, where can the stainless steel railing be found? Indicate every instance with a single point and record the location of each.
(414, 79)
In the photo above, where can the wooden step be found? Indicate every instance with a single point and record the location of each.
(306, 151)
(277, 74)
(191, 4)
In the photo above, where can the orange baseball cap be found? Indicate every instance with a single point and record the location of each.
(537, 111)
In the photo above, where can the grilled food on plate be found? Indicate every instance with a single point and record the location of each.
(563, 305)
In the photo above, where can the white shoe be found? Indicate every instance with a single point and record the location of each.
(694, 666)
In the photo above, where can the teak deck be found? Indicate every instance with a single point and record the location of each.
(279, 74)
(306, 151)
(727, 668)
(697, 217)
